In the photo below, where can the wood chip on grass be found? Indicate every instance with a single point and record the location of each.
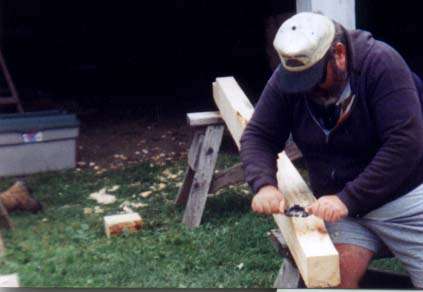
(146, 194)
(102, 197)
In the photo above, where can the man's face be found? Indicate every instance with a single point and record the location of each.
(336, 76)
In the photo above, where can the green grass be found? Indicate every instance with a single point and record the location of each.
(63, 247)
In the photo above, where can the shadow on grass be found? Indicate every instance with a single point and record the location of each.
(228, 204)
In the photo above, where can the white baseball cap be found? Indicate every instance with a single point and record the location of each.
(302, 43)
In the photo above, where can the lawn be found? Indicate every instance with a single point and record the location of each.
(64, 247)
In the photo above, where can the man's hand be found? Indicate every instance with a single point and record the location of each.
(329, 208)
(269, 200)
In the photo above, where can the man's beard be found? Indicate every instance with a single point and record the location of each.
(330, 96)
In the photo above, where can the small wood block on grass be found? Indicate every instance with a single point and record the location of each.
(9, 281)
(117, 224)
(307, 238)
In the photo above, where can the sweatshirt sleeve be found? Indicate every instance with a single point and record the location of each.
(397, 113)
(265, 137)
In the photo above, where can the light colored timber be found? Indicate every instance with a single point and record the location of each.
(9, 281)
(117, 224)
(204, 119)
(307, 238)
(234, 106)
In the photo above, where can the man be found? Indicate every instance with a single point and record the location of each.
(354, 109)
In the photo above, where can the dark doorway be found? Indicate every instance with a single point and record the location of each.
(128, 51)
(397, 23)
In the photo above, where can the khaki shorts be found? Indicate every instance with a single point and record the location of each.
(397, 226)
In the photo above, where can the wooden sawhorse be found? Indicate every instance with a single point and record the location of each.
(200, 178)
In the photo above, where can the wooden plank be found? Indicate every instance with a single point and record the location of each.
(203, 176)
(193, 156)
(194, 149)
(307, 238)
(237, 111)
(9, 281)
(183, 192)
(235, 174)
(204, 119)
(230, 176)
(117, 224)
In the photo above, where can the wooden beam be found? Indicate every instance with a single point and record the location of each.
(204, 119)
(193, 157)
(307, 238)
(234, 106)
(231, 176)
(117, 224)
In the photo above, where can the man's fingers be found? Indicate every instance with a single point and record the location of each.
(275, 206)
(282, 206)
(310, 209)
(313, 209)
(267, 209)
(257, 206)
(330, 214)
(279, 196)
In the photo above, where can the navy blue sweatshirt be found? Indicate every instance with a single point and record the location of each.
(373, 157)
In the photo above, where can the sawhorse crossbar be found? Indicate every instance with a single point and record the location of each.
(200, 178)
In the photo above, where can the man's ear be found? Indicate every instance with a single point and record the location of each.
(341, 55)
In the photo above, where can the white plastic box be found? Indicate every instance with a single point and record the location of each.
(37, 142)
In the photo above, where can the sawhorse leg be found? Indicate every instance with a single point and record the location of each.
(202, 159)
(4, 216)
(288, 276)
